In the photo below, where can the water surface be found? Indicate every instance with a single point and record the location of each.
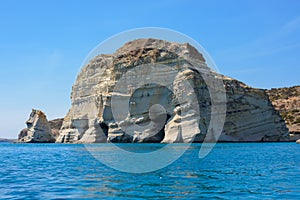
(231, 170)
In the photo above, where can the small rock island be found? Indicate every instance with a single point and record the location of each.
(39, 129)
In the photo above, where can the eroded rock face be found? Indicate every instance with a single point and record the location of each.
(55, 126)
(38, 129)
(250, 115)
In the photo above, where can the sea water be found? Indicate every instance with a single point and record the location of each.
(230, 171)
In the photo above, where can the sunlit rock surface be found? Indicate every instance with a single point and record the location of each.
(38, 129)
(287, 102)
(186, 104)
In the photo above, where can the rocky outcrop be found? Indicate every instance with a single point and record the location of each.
(160, 112)
(251, 116)
(38, 129)
(55, 126)
(287, 102)
(23, 133)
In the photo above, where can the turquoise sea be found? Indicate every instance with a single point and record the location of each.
(230, 171)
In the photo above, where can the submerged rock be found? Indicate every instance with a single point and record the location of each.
(250, 115)
(38, 129)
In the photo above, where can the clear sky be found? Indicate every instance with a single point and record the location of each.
(43, 43)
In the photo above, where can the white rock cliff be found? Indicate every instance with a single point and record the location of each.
(38, 129)
(173, 107)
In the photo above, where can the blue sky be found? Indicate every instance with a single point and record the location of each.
(43, 43)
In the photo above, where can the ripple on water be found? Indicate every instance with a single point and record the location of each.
(248, 170)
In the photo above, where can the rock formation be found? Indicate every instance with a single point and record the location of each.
(250, 115)
(287, 102)
(38, 129)
(55, 126)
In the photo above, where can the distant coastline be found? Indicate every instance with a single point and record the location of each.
(7, 140)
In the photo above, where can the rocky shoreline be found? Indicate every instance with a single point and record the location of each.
(252, 115)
